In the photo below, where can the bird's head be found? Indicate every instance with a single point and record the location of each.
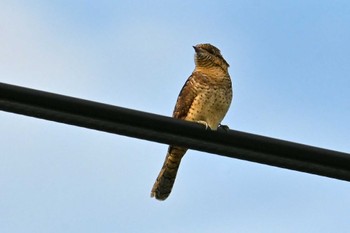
(208, 55)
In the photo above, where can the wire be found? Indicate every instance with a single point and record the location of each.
(152, 127)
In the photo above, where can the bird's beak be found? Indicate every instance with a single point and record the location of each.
(195, 48)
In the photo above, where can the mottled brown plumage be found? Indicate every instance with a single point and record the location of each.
(205, 98)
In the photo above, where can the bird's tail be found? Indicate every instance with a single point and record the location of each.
(166, 178)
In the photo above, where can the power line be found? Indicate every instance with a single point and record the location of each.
(167, 130)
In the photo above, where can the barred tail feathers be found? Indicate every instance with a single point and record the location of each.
(166, 178)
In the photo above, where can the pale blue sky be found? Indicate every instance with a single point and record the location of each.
(291, 74)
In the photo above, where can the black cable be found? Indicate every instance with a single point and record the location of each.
(167, 130)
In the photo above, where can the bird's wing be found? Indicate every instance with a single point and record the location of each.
(188, 94)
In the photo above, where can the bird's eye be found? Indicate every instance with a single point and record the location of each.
(212, 51)
(209, 50)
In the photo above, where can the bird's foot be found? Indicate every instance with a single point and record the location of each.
(204, 123)
(224, 127)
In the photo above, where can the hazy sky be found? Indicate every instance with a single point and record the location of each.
(291, 75)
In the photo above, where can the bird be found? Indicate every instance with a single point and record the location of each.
(205, 98)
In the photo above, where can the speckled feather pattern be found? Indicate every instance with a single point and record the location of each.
(205, 97)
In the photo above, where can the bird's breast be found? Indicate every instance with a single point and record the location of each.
(211, 103)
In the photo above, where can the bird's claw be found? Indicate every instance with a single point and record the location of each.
(204, 123)
(224, 127)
